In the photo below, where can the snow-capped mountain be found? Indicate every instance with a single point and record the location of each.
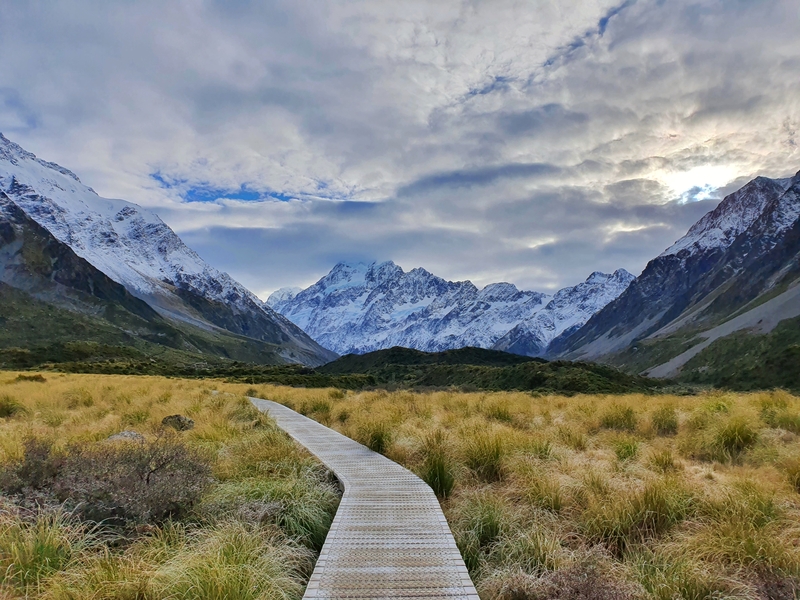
(568, 310)
(737, 268)
(133, 247)
(359, 308)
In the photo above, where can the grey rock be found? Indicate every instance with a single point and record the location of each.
(126, 436)
(178, 422)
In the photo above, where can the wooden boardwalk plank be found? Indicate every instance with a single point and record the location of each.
(389, 538)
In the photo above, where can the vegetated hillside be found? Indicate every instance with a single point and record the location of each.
(475, 368)
(747, 361)
(358, 308)
(364, 363)
(51, 299)
(736, 270)
(133, 248)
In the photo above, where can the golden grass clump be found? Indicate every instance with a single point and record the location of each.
(640, 496)
(247, 522)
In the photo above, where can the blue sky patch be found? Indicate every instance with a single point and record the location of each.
(210, 193)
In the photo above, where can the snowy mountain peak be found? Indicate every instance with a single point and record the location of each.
(734, 215)
(364, 307)
(284, 294)
(14, 153)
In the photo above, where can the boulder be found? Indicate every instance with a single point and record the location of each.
(178, 422)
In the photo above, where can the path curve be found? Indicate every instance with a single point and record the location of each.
(389, 538)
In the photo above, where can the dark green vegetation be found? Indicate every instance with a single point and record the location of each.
(364, 363)
(478, 369)
(745, 361)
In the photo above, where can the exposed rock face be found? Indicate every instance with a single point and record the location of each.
(358, 308)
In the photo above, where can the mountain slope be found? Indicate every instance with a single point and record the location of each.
(735, 270)
(51, 298)
(365, 307)
(135, 249)
(570, 308)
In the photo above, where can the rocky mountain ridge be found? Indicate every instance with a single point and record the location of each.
(736, 270)
(358, 308)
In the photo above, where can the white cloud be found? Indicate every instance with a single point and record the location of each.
(528, 141)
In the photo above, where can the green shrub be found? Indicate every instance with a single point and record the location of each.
(10, 407)
(302, 506)
(498, 412)
(78, 397)
(231, 561)
(665, 420)
(479, 523)
(663, 461)
(791, 468)
(733, 438)
(437, 468)
(620, 418)
(541, 448)
(669, 578)
(545, 492)
(484, 454)
(533, 552)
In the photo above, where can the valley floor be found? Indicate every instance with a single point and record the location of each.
(588, 496)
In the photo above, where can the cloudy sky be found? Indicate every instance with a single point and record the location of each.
(527, 141)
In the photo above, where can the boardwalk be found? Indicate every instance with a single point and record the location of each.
(389, 538)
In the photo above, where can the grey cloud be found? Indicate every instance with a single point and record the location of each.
(481, 140)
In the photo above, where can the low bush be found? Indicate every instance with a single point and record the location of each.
(733, 438)
(375, 435)
(636, 517)
(533, 552)
(572, 438)
(625, 448)
(480, 521)
(232, 561)
(33, 549)
(663, 461)
(302, 506)
(591, 578)
(115, 482)
(131, 481)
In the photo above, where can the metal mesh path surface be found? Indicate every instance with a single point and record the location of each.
(389, 538)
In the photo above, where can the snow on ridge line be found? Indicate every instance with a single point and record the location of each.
(363, 307)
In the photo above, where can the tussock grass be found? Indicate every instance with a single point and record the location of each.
(603, 496)
(232, 508)
(437, 467)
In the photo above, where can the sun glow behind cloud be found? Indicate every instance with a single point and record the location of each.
(699, 183)
(487, 140)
